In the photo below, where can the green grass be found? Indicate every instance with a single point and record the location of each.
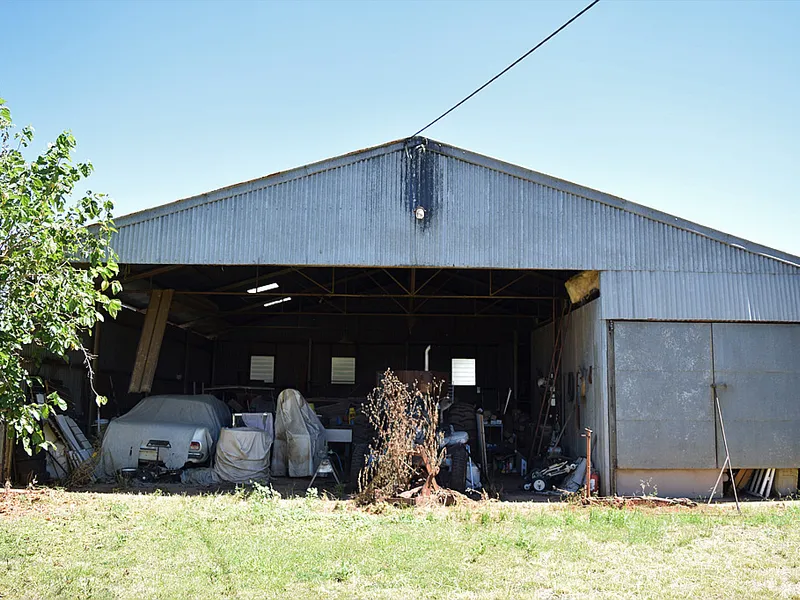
(77, 545)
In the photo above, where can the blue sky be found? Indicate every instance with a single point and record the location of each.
(688, 107)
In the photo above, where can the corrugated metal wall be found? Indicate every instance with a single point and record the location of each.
(691, 296)
(358, 210)
(584, 348)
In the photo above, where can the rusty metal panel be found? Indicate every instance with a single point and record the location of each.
(358, 210)
(691, 296)
(664, 408)
(757, 368)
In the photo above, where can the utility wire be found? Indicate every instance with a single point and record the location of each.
(509, 67)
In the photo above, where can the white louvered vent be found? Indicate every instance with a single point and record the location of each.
(262, 368)
(343, 369)
(463, 371)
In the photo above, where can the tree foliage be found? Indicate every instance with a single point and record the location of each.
(57, 270)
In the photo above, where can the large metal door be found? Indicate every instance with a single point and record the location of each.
(662, 394)
(757, 370)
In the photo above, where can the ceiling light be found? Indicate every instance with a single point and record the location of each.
(262, 288)
(277, 301)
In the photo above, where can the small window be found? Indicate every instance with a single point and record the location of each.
(463, 371)
(262, 368)
(343, 369)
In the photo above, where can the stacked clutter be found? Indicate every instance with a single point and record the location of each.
(71, 449)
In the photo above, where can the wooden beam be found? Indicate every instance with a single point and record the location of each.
(149, 348)
(387, 294)
(151, 273)
(144, 341)
(155, 342)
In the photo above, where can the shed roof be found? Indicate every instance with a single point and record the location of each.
(358, 210)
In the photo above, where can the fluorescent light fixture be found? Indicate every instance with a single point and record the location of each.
(277, 301)
(262, 288)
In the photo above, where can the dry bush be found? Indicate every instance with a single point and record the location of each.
(81, 474)
(406, 445)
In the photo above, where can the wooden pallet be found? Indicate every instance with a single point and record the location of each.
(743, 477)
(761, 483)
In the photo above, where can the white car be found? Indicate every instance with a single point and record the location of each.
(170, 430)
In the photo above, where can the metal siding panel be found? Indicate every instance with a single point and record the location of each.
(664, 410)
(656, 295)
(758, 369)
(357, 210)
(583, 349)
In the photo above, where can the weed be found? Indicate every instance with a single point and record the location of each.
(342, 573)
(648, 489)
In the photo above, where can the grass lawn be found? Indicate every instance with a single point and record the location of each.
(56, 544)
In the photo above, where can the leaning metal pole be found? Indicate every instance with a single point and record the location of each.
(727, 462)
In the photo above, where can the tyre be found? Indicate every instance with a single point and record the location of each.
(462, 417)
(357, 461)
(458, 469)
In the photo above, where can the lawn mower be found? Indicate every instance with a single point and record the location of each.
(542, 480)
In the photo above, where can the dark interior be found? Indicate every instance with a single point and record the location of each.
(385, 318)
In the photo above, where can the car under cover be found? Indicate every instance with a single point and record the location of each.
(170, 417)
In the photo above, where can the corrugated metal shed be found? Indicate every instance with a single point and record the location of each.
(358, 210)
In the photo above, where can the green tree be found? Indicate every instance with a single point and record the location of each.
(57, 270)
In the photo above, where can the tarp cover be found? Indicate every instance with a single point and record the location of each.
(243, 454)
(173, 418)
(299, 437)
(263, 421)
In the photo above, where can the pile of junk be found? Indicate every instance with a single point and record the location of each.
(552, 473)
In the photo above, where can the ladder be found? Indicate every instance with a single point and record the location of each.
(548, 399)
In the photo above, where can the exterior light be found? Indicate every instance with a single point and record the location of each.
(419, 212)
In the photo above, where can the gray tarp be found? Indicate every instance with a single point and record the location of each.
(243, 454)
(299, 437)
(173, 418)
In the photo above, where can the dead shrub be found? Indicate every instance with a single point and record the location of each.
(406, 445)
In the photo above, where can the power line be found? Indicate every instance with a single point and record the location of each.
(509, 67)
